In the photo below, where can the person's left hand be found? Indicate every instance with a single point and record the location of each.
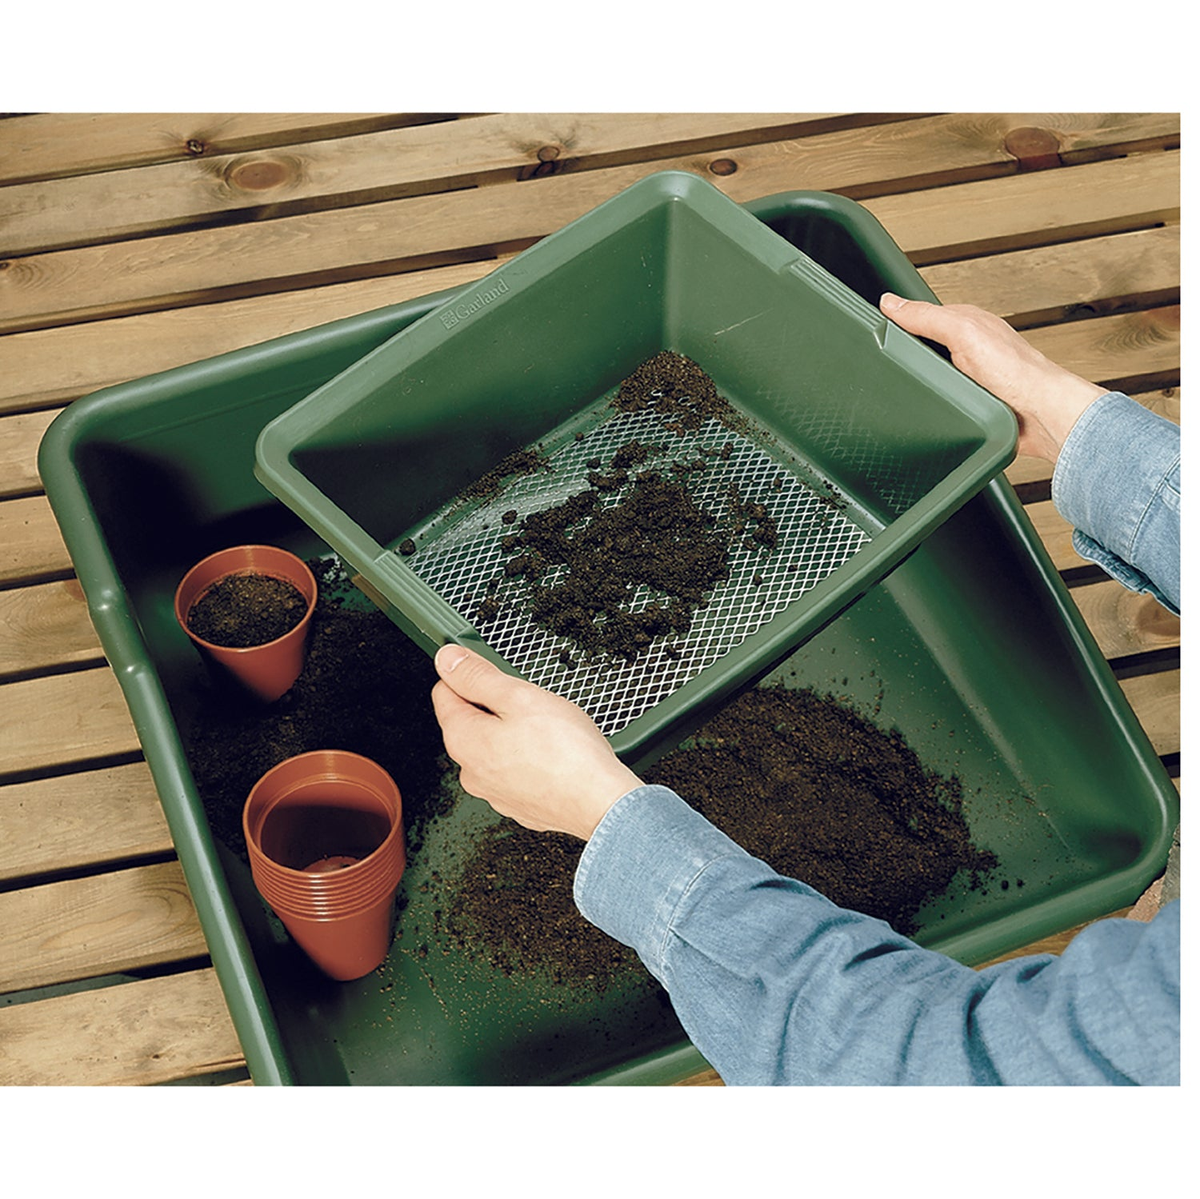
(532, 755)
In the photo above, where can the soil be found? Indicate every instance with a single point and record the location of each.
(821, 794)
(514, 907)
(581, 563)
(656, 536)
(800, 780)
(242, 610)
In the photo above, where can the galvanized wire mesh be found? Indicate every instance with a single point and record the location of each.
(814, 538)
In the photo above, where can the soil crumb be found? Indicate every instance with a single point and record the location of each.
(243, 610)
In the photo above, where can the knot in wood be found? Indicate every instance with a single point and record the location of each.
(257, 174)
(722, 166)
(194, 146)
(1034, 148)
(549, 153)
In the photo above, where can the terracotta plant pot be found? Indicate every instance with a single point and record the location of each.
(269, 670)
(325, 833)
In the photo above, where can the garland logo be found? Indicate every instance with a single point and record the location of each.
(466, 308)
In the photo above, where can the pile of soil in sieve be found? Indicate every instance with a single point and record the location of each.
(364, 688)
(242, 610)
(581, 563)
(822, 795)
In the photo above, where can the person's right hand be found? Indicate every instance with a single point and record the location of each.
(1047, 398)
(531, 754)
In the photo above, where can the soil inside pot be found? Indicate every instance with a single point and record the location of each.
(244, 610)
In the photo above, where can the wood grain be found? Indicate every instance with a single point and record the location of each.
(1052, 283)
(1125, 622)
(19, 438)
(50, 366)
(31, 547)
(338, 172)
(153, 1031)
(63, 719)
(1155, 700)
(44, 627)
(86, 927)
(331, 246)
(53, 144)
(999, 215)
(85, 819)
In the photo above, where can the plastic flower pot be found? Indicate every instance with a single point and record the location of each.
(325, 834)
(267, 671)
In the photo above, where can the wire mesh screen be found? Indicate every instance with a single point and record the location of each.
(463, 559)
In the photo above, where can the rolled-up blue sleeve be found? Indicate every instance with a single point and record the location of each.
(1117, 480)
(776, 984)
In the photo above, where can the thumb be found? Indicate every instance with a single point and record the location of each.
(475, 679)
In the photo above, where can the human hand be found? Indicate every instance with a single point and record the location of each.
(532, 755)
(1046, 398)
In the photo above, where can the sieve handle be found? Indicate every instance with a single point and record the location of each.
(817, 278)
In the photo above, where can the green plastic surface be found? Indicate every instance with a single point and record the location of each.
(972, 647)
(669, 264)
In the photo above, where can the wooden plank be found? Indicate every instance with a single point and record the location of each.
(1134, 350)
(19, 438)
(50, 366)
(107, 924)
(57, 213)
(1050, 283)
(1123, 621)
(87, 819)
(63, 718)
(1026, 210)
(154, 1031)
(1056, 533)
(46, 627)
(53, 144)
(1155, 701)
(31, 547)
(332, 246)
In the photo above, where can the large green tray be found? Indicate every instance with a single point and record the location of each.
(972, 647)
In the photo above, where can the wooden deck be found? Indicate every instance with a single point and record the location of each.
(130, 244)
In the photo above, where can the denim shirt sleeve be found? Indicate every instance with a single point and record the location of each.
(776, 984)
(1117, 481)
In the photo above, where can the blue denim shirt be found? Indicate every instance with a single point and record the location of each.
(776, 984)
(1117, 481)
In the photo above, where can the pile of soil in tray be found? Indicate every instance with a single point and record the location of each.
(821, 794)
(242, 610)
(800, 780)
(514, 907)
(364, 688)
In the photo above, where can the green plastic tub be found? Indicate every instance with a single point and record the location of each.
(839, 402)
(971, 647)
